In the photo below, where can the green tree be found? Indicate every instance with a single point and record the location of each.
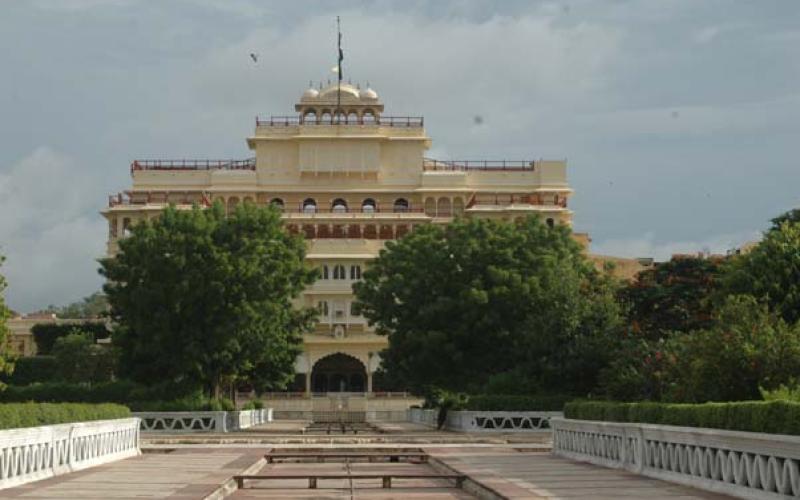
(748, 348)
(792, 217)
(673, 296)
(770, 271)
(79, 359)
(93, 306)
(478, 301)
(203, 299)
(6, 363)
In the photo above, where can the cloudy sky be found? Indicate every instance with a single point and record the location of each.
(680, 119)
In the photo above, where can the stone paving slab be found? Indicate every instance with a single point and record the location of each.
(182, 474)
(518, 475)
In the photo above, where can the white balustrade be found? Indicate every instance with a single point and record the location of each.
(741, 464)
(35, 453)
(202, 421)
(424, 417)
(500, 421)
(183, 421)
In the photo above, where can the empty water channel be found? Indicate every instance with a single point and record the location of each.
(351, 473)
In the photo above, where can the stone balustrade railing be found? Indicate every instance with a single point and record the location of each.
(487, 421)
(741, 464)
(35, 453)
(202, 421)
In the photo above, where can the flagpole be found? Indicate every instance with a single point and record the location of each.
(339, 86)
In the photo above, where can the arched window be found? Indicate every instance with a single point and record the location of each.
(277, 203)
(339, 205)
(368, 117)
(430, 207)
(352, 118)
(401, 205)
(368, 205)
(232, 202)
(550, 222)
(126, 226)
(355, 272)
(247, 200)
(339, 272)
(325, 117)
(325, 274)
(309, 206)
(443, 207)
(310, 116)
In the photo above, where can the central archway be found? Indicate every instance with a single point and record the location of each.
(338, 373)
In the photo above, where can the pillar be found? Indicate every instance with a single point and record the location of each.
(308, 383)
(369, 381)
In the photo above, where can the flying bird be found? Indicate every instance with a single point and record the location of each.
(254, 56)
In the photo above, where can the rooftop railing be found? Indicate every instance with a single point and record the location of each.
(382, 121)
(463, 165)
(248, 164)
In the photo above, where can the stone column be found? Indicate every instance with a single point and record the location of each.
(308, 383)
(369, 381)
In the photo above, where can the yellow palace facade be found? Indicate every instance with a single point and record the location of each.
(349, 182)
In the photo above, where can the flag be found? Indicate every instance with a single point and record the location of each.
(341, 57)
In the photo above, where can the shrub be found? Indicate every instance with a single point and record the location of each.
(32, 369)
(15, 415)
(773, 417)
(195, 402)
(46, 334)
(119, 391)
(488, 402)
(255, 404)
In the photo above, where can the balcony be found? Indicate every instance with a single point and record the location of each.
(248, 164)
(430, 164)
(380, 121)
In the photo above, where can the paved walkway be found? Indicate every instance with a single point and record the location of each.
(195, 472)
(518, 475)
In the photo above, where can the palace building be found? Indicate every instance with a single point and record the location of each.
(349, 181)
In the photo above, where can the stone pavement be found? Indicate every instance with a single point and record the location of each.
(517, 475)
(507, 470)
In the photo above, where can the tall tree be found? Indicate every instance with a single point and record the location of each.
(6, 365)
(674, 296)
(465, 304)
(201, 298)
(770, 271)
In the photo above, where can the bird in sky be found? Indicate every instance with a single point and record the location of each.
(254, 56)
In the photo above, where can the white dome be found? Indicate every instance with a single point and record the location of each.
(369, 94)
(311, 93)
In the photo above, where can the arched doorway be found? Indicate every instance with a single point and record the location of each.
(338, 373)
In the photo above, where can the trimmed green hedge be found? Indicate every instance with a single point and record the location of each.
(771, 417)
(29, 370)
(488, 402)
(15, 415)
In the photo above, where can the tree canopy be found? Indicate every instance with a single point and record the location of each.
(92, 306)
(201, 297)
(6, 366)
(482, 303)
(771, 270)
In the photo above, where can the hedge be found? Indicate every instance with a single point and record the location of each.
(490, 402)
(771, 417)
(15, 415)
(29, 370)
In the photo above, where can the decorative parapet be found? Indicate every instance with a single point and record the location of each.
(202, 421)
(183, 421)
(500, 421)
(36, 453)
(741, 464)
(487, 421)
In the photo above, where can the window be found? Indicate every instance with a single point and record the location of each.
(309, 206)
(322, 306)
(325, 272)
(339, 273)
(355, 272)
(353, 309)
(126, 226)
(443, 207)
(401, 205)
(550, 222)
(339, 205)
(277, 203)
(368, 205)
